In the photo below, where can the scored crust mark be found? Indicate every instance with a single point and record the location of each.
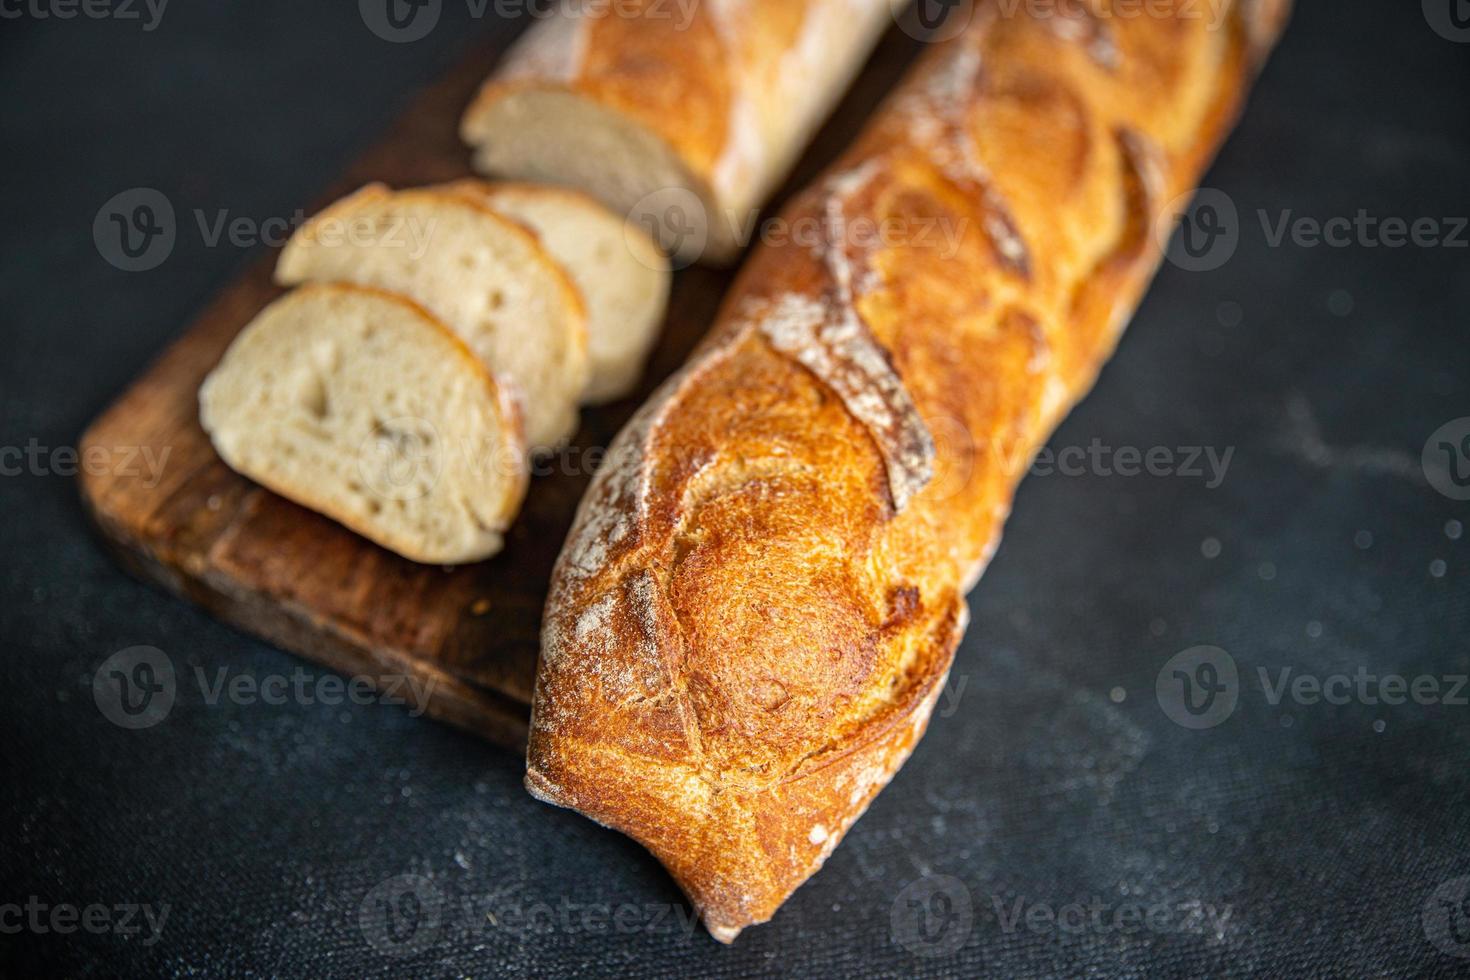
(828, 337)
(1143, 182)
(1077, 21)
(614, 511)
(937, 123)
(1146, 178)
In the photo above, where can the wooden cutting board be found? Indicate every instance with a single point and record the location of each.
(310, 586)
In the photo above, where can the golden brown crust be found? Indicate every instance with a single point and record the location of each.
(751, 620)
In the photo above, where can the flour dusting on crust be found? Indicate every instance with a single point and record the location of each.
(935, 115)
(831, 342)
(828, 338)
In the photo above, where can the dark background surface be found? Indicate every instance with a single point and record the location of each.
(1327, 839)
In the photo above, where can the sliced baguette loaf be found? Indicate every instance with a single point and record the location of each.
(685, 120)
(623, 277)
(359, 404)
(484, 276)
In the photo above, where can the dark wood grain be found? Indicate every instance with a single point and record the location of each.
(303, 582)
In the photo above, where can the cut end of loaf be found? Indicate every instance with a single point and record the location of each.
(554, 136)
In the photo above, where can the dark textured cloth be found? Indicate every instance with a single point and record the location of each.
(1056, 821)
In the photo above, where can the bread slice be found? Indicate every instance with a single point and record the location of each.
(357, 403)
(484, 276)
(623, 276)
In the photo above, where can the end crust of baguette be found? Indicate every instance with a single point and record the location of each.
(544, 134)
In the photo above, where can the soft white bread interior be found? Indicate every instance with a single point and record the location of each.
(622, 275)
(359, 404)
(558, 138)
(485, 276)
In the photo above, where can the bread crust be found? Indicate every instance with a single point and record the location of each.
(761, 596)
(725, 102)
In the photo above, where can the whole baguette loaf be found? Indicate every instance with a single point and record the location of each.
(761, 596)
(717, 98)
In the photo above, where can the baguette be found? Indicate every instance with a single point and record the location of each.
(484, 276)
(622, 275)
(761, 596)
(640, 101)
(358, 404)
